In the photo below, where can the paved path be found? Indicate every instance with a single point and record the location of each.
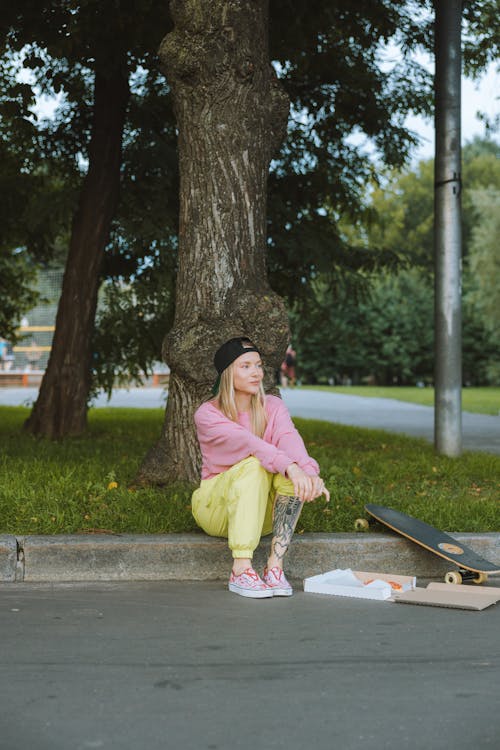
(171, 665)
(480, 431)
(143, 398)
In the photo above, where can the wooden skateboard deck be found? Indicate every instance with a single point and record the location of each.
(471, 566)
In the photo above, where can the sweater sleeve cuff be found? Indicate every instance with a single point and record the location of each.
(310, 467)
(281, 463)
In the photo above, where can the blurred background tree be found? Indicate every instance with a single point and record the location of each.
(338, 220)
(385, 332)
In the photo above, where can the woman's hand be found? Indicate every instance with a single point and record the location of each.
(320, 489)
(306, 488)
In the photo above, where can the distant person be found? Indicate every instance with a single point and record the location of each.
(256, 473)
(9, 358)
(3, 353)
(33, 354)
(288, 376)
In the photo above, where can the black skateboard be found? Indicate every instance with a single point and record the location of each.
(471, 566)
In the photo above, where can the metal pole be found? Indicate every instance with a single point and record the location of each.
(447, 230)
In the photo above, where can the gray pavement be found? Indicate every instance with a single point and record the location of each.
(131, 666)
(155, 664)
(141, 398)
(481, 432)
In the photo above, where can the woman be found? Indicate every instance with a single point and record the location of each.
(256, 473)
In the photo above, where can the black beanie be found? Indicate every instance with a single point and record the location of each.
(231, 350)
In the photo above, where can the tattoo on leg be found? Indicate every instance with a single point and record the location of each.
(285, 516)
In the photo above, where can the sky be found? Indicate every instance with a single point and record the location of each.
(482, 95)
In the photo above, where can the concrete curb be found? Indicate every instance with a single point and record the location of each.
(8, 558)
(199, 557)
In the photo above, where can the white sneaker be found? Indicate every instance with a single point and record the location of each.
(250, 584)
(276, 580)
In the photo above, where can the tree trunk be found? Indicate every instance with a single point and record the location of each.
(61, 407)
(231, 116)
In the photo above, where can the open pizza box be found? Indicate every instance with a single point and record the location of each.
(401, 589)
(358, 584)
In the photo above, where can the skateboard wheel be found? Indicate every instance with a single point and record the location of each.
(361, 524)
(453, 577)
(480, 578)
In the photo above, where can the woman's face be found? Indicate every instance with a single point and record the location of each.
(248, 373)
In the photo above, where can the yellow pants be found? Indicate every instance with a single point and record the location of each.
(238, 504)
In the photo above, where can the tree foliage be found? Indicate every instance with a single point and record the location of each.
(55, 53)
(402, 213)
(329, 61)
(16, 292)
(130, 327)
(386, 333)
(484, 269)
(481, 35)
(347, 119)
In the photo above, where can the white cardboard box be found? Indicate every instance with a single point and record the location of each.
(358, 584)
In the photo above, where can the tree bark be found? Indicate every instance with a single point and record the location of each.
(231, 116)
(61, 407)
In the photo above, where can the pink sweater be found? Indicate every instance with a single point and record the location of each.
(224, 442)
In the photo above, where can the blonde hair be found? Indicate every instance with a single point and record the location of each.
(227, 403)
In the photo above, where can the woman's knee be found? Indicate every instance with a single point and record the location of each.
(250, 469)
(249, 486)
(210, 513)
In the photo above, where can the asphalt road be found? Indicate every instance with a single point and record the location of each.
(160, 665)
(481, 432)
(135, 666)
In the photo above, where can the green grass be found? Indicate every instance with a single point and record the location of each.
(479, 400)
(63, 487)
